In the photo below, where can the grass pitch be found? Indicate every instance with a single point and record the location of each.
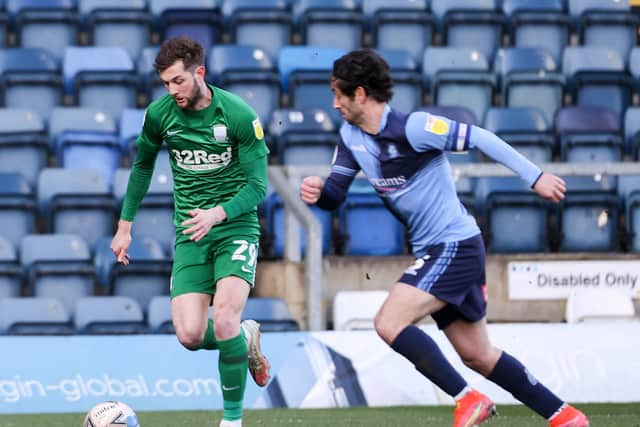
(600, 415)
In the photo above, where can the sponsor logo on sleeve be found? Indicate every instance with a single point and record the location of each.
(257, 129)
(436, 125)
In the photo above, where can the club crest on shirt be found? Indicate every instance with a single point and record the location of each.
(219, 133)
(436, 125)
(257, 129)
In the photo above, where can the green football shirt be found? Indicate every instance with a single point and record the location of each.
(207, 151)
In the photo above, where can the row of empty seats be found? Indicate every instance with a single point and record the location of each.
(410, 24)
(118, 315)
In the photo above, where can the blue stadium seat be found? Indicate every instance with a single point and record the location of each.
(629, 202)
(85, 138)
(274, 233)
(100, 77)
(362, 208)
(146, 276)
(47, 24)
(272, 314)
(632, 132)
(149, 81)
(248, 72)
(17, 207)
(597, 76)
(331, 23)
(76, 202)
(589, 134)
(57, 266)
(198, 19)
(303, 137)
(605, 23)
(10, 271)
(130, 127)
(408, 91)
(538, 23)
(523, 128)
(23, 144)
(459, 114)
(108, 315)
(588, 216)
(529, 77)
(401, 24)
(116, 23)
(473, 24)
(459, 77)
(30, 78)
(159, 319)
(155, 214)
(516, 219)
(305, 72)
(266, 23)
(5, 29)
(34, 316)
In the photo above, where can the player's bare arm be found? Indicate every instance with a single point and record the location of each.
(311, 188)
(121, 241)
(202, 220)
(550, 187)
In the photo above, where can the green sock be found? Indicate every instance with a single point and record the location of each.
(233, 364)
(209, 342)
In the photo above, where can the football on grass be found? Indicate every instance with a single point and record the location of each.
(111, 414)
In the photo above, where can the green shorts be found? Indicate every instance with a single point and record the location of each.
(197, 266)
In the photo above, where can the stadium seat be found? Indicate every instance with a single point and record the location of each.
(5, 29)
(34, 316)
(198, 19)
(248, 72)
(76, 202)
(459, 77)
(332, 23)
(57, 266)
(629, 198)
(10, 272)
(356, 310)
(597, 76)
(516, 219)
(23, 144)
(266, 23)
(361, 208)
(116, 23)
(30, 78)
(47, 24)
(588, 216)
(155, 214)
(601, 304)
(399, 25)
(605, 23)
(538, 23)
(272, 314)
(472, 24)
(303, 137)
(525, 129)
(632, 132)
(305, 72)
(408, 91)
(145, 277)
(100, 77)
(130, 127)
(17, 207)
(530, 78)
(149, 81)
(108, 315)
(159, 318)
(588, 134)
(459, 114)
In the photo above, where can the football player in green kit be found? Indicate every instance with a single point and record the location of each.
(219, 161)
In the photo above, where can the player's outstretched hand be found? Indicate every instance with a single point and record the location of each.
(310, 189)
(121, 242)
(551, 187)
(202, 220)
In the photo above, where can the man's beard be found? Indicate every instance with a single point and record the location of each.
(196, 95)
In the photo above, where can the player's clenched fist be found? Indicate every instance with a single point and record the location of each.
(311, 188)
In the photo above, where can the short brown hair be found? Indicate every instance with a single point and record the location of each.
(363, 67)
(184, 49)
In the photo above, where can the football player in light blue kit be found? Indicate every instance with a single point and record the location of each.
(403, 157)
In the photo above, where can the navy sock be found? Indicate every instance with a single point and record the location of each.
(512, 376)
(424, 353)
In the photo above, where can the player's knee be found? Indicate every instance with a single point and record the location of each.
(190, 336)
(385, 328)
(226, 323)
(480, 361)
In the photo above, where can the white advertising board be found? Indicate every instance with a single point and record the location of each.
(537, 280)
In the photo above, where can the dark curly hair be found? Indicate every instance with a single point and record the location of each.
(184, 49)
(363, 67)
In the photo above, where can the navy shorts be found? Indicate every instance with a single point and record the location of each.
(455, 273)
